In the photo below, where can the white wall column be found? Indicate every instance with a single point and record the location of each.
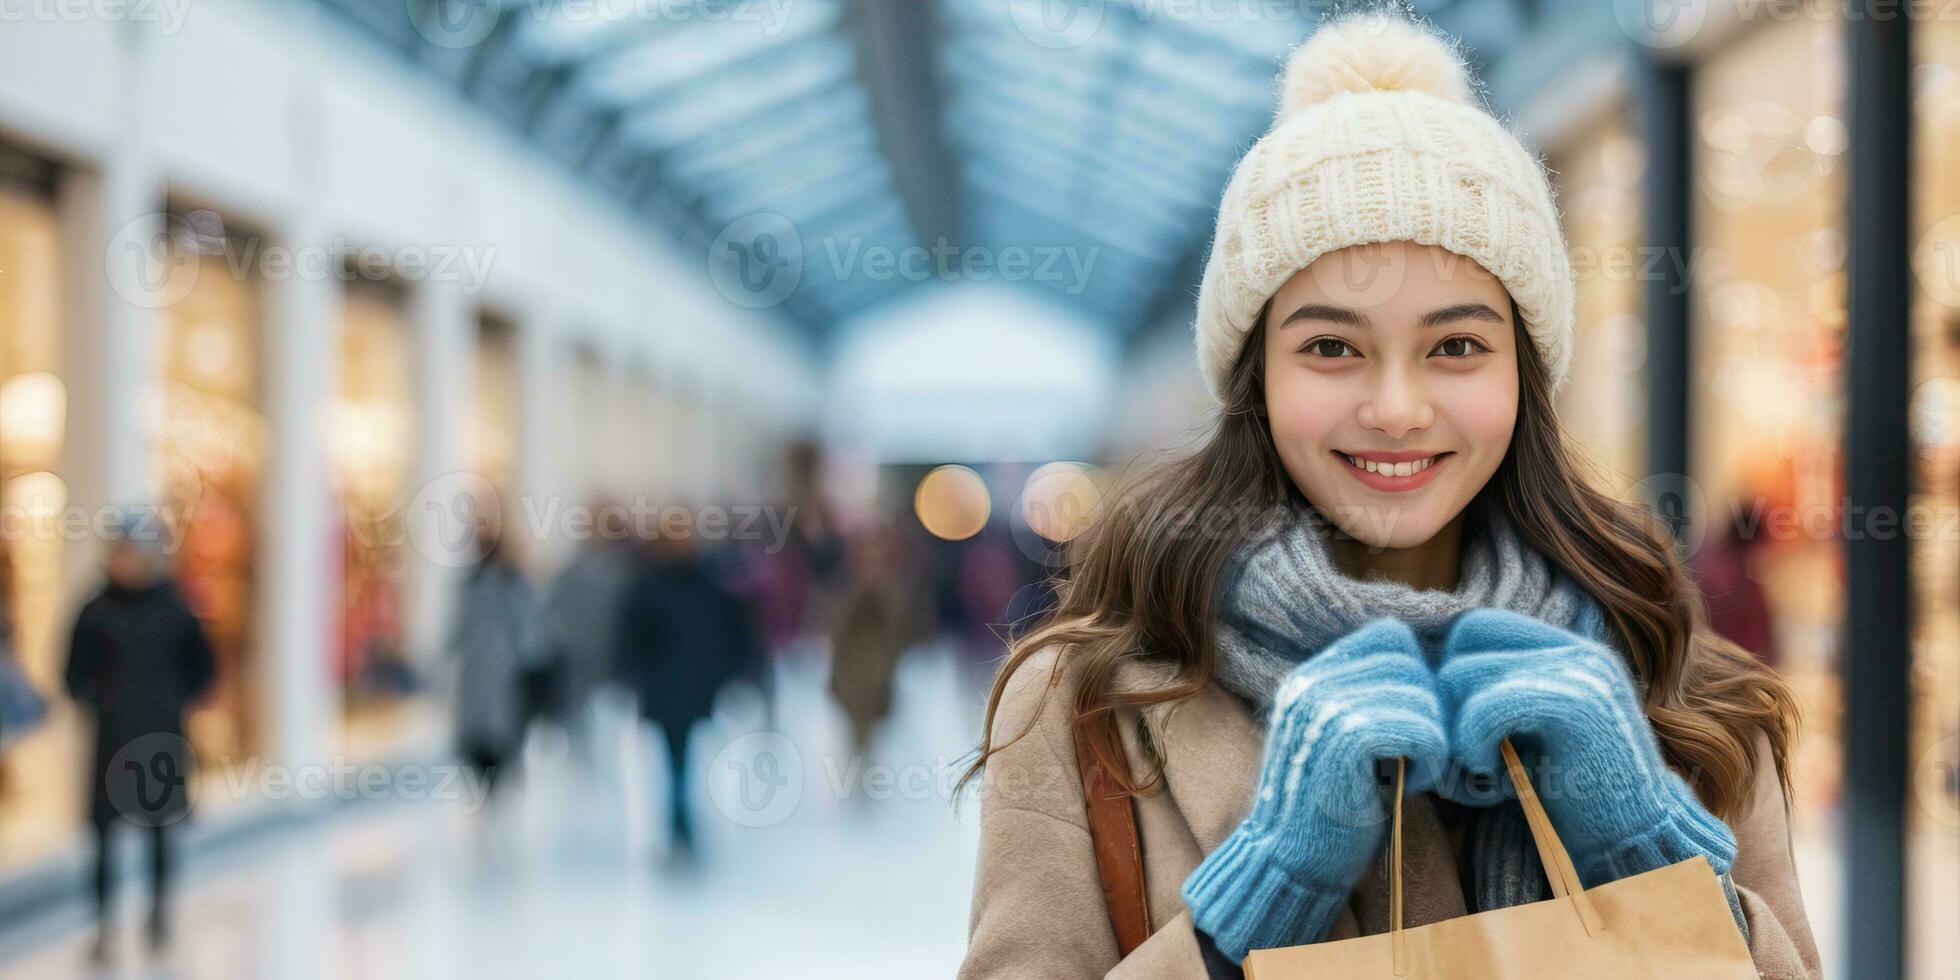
(298, 556)
(535, 480)
(443, 321)
(114, 278)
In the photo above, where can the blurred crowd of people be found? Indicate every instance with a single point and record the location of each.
(662, 616)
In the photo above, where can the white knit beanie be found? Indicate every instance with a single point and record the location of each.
(1381, 138)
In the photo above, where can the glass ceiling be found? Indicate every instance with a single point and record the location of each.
(1100, 129)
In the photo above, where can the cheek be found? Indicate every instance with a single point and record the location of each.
(1300, 421)
(1484, 417)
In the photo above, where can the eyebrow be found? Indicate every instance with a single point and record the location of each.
(1354, 318)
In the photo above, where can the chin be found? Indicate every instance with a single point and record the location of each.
(1385, 525)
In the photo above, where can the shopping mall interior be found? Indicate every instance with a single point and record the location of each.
(874, 298)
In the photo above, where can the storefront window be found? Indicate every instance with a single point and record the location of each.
(38, 796)
(1604, 401)
(207, 442)
(373, 443)
(1768, 313)
(1934, 813)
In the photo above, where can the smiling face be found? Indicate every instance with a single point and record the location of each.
(1391, 385)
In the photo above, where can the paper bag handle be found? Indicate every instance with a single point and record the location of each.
(1564, 878)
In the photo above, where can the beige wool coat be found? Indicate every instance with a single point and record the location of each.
(1038, 910)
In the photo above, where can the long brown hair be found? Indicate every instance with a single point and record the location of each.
(1140, 584)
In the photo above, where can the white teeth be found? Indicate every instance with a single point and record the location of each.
(1391, 469)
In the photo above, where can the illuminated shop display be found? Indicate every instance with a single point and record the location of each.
(33, 416)
(1604, 404)
(1768, 309)
(39, 799)
(207, 443)
(1936, 486)
(373, 441)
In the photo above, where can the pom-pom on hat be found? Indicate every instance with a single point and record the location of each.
(1381, 136)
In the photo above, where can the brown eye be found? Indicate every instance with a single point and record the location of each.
(1461, 347)
(1328, 347)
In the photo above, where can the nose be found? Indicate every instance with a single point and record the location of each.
(1398, 405)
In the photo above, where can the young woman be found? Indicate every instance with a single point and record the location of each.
(1385, 549)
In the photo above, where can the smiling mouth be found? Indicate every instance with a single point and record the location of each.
(1392, 470)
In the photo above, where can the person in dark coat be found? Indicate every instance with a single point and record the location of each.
(682, 636)
(137, 661)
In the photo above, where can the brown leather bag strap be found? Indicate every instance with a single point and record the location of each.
(1119, 858)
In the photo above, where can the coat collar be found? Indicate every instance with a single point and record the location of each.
(1210, 744)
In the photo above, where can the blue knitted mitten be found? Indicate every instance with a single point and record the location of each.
(1319, 817)
(1569, 706)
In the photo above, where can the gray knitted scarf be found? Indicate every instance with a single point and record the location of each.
(1281, 598)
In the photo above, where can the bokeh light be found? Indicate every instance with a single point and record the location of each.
(1062, 499)
(952, 502)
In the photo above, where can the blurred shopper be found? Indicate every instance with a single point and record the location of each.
(812, 559)
(584, 607)
(1383, 550)
(137, 660)
(1725, 568)
(499, 636)
(876, 621)
(683, 635)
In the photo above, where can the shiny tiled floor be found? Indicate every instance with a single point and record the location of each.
(564, 877)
